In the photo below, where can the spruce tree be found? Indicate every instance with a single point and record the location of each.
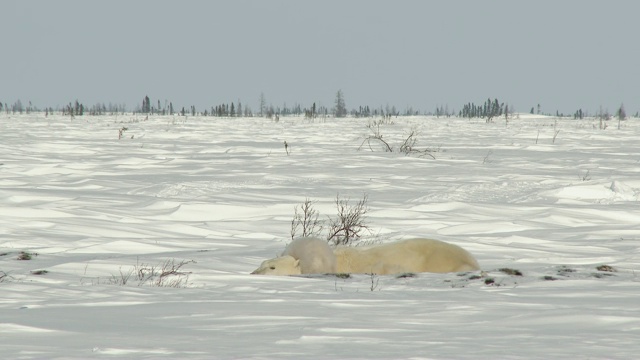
(622, 114)
(341, 107)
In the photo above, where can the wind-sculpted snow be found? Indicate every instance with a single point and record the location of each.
(553, 223)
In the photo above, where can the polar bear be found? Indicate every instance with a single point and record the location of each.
(282, 265)
(415, 255)
(305, 255)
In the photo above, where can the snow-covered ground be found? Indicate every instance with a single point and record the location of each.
(95, 211)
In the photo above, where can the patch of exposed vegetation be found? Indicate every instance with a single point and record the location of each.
(26, 256)
(489, 281)
(512, 272)
(565, 271)
(606, 268)
(406, 275)
(342, 275)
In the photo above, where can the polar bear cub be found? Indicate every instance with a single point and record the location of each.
(302, 256)
(415, 255)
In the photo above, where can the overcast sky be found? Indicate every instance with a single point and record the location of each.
(563, 55)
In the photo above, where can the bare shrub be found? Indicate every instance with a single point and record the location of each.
(408, 146)
(343, 229)
(555, 131)
(349, 222)
(166, 274)
(122, 279)
(376, 135)
(374, 282)
(121, 132)
(409, 143)
(487, 157)
(305, 219)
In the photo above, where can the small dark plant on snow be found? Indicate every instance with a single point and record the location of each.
(605, 268)
(121, 132)
(26, 255)
(509, 271)
(374, 282)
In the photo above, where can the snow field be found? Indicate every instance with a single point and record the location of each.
(221, 192)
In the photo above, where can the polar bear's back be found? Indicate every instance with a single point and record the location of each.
(315, 255)
(443, 257)
(415, 255)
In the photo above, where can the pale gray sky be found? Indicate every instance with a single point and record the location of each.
(563, 55)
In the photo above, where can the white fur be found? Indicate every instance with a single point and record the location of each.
(314, 256)
(415, 255)
(301, 256)
(283, 265)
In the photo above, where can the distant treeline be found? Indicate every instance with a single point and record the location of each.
(488, 110)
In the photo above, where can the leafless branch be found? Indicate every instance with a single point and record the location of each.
(349, 223)
(306, 216)
(375, 129)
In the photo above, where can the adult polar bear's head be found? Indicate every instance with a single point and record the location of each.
(283, 265)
